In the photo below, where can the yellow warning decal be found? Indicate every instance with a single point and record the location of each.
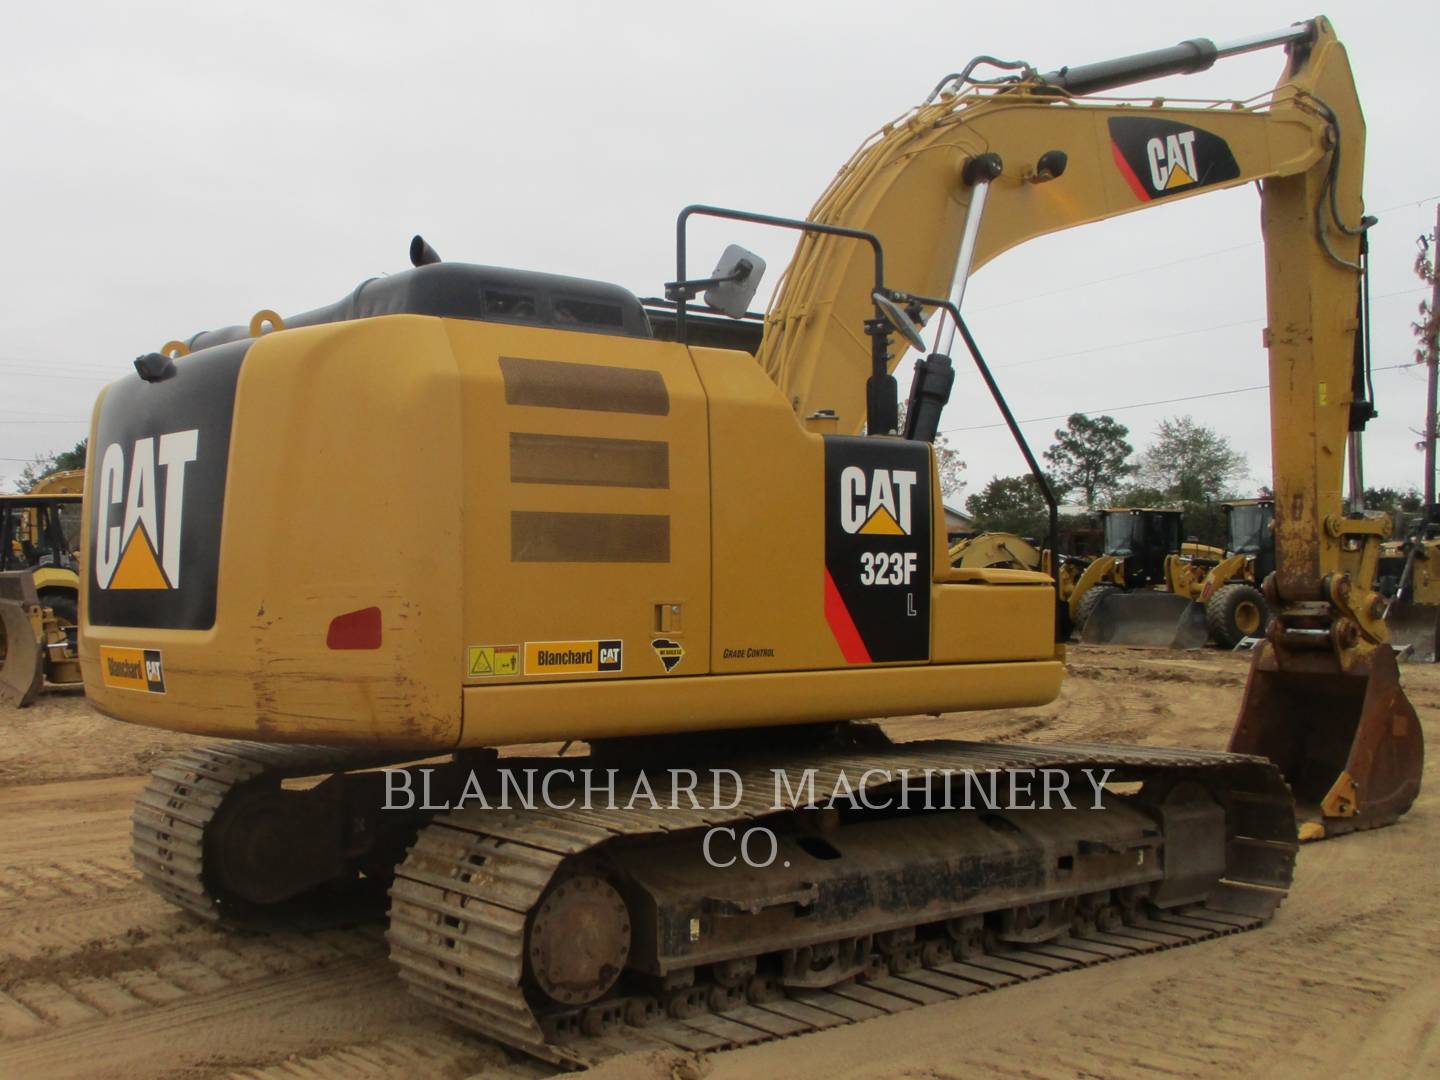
(132, 669)
(573, 657)
(486, 660)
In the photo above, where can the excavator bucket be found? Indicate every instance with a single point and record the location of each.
(1156, 619)
(1414, 629)
(1347, 740)
(21, 661)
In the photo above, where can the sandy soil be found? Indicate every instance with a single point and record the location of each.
(98, 978)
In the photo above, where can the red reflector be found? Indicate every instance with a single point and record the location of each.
(355, 630)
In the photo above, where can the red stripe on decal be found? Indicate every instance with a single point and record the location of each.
(842, 625)
(1129, 173)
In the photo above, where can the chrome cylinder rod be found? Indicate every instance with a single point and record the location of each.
(945, 334)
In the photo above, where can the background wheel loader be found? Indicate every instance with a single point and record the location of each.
(1409, 575)
(1126, 595)
(1151, 589)
(39, 587)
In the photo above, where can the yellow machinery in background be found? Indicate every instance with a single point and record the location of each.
(40, 587)
(1409, 572)
(1226, 582)
(641, 537)
(1009, 551)
(1150, 588)
(1235, 608)
(1127, 595)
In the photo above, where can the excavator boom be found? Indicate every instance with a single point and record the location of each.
(989, 166)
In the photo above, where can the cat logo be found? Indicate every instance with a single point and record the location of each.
(876, 502)
(1160, 158)
(1172, 161)
(132, 669)
(138, 547)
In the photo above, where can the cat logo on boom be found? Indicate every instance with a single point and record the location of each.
(139, 511)
(1172, 160)
(1158, 158)
(876, 502)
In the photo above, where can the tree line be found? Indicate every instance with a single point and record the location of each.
(1092, 464)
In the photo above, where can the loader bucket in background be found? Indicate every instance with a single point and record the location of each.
(1156, 619)
(1415, 625)
(21, 663)
(1347, 741)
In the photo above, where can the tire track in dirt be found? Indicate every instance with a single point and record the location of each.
(403, 1056)
(99, 979)
(212, 1020)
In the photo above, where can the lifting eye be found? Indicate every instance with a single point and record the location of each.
(1051, 166)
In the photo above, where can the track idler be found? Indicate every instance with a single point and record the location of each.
(1339, 726)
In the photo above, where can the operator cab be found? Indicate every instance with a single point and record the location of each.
(36, 531)
(1250, 528)
(1143, 537)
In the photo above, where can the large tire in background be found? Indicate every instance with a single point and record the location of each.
(1088, 603)
(63, 602)
(1236, 611)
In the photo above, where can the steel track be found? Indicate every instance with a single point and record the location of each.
(182, 796)
(460, 904)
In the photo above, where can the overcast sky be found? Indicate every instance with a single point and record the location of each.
(167, 167)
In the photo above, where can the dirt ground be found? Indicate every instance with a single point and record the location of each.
(99, 978)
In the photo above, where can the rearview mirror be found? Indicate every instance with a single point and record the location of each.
(736, 276)
(895, 315)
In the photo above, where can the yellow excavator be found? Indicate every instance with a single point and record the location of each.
(40, 587)
(683, 560)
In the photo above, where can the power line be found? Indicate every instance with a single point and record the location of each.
(1115, 277)
(1184, 259)
(1174, 334)
(1137, 405)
